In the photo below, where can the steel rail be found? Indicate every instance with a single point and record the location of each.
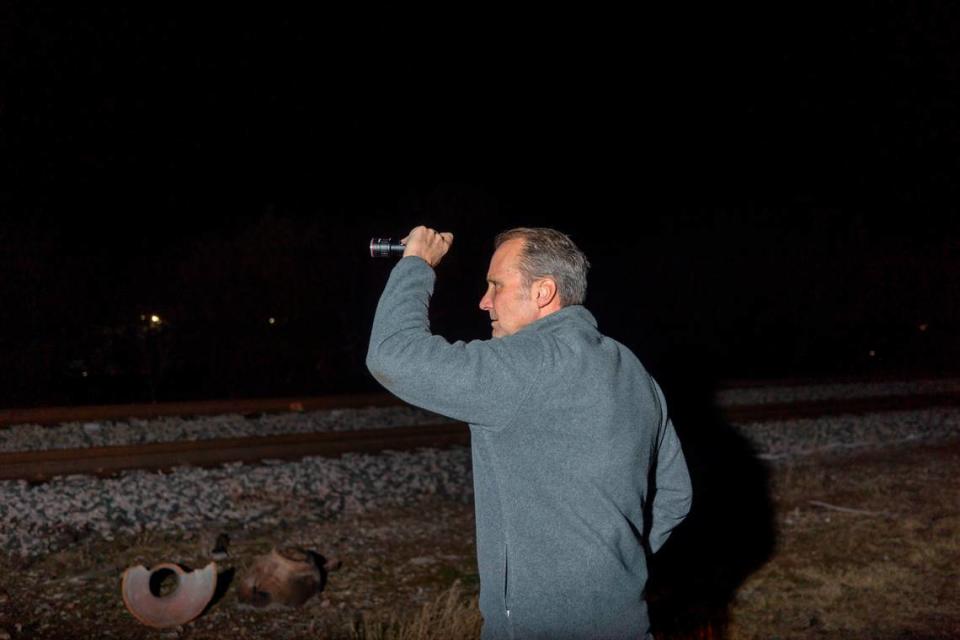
(246, 406)
(57, 415)
(42, 465)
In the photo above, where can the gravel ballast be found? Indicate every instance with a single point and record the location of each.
(53, 515)
(784, 439)
(38, 518)
(77, 435)
(759, 395)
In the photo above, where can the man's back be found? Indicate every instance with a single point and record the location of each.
(561, 490)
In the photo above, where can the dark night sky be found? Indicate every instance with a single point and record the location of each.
(774, 190)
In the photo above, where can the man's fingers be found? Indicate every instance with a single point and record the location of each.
(428, 234)
(427, 243)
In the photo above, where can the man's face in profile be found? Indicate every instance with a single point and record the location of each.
(510, 305)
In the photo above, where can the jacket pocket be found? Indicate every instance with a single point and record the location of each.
(506, 581)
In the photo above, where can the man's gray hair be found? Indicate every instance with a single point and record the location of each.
(548, 252)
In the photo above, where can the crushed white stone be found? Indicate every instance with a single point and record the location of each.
(38, 518)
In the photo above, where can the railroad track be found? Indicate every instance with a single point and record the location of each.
(41, 465)
(56, 415)
(105, 461)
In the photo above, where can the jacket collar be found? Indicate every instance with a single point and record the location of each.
(574, 313)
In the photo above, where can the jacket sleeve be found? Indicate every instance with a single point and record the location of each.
(673, 495)
(482, 382)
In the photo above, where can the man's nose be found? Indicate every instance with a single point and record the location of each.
(485, 302)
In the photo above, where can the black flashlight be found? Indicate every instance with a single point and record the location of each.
(385, 248)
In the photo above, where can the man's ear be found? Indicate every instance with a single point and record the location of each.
(545, 292)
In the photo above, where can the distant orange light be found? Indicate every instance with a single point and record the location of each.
(922, 326)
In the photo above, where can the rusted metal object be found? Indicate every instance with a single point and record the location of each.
(189, 597)
(286, 577)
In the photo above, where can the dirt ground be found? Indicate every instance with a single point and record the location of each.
(862, 546)
(887, 568)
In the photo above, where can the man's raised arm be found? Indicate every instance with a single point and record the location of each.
(481, 382)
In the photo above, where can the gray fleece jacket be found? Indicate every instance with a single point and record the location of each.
(570, 439)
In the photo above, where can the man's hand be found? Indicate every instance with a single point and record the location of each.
(427, 244)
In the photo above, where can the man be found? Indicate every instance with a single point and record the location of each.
(570, 437)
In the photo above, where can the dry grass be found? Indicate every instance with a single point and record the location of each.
(451, 616)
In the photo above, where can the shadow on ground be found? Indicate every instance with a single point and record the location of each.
(730, 531)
